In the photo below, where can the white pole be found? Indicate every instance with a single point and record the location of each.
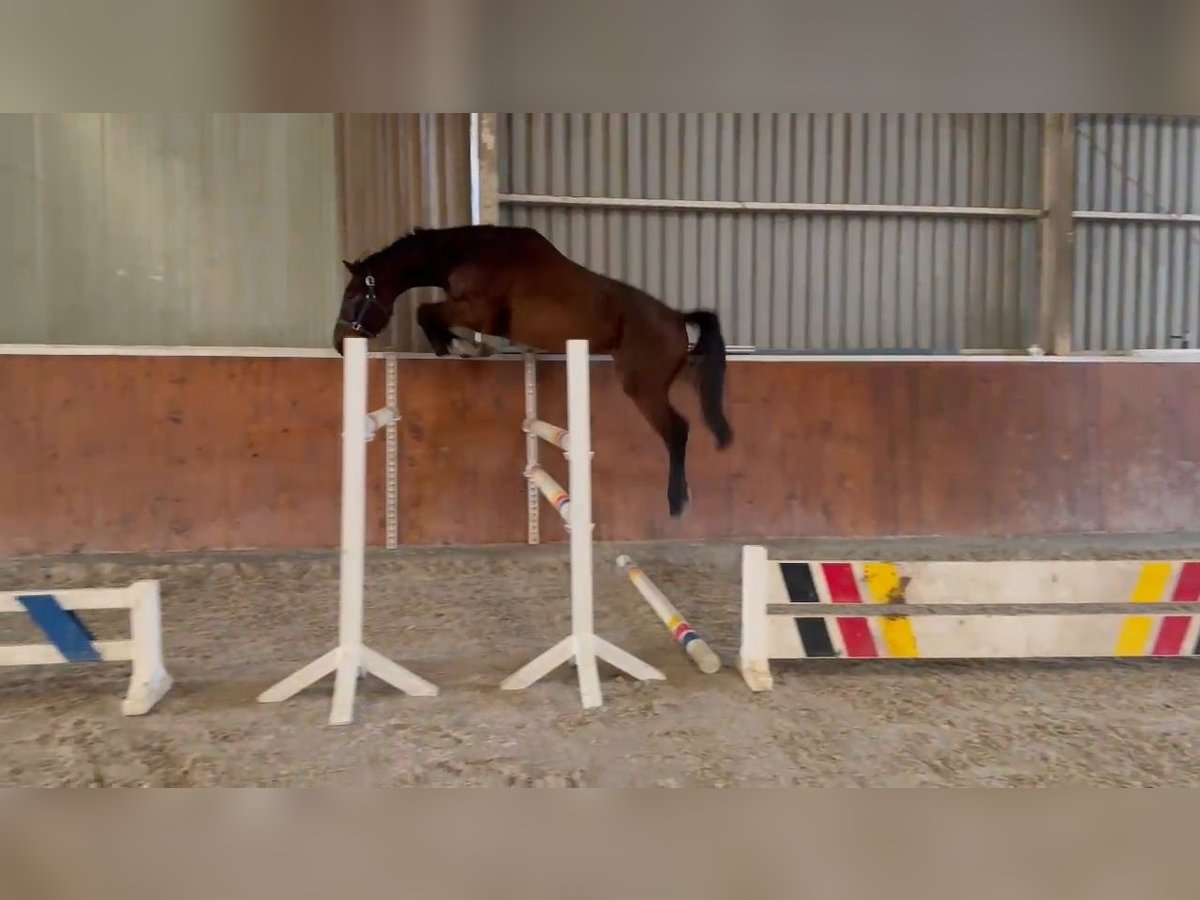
(149, 680)
(354, 515)
(679, 627)
(582, 645)
(354, 481)
(554, 493)
(754, 660)
(579, 459)
(351, 657)
(551, 434)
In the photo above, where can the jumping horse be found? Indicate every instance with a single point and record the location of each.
(514, 284)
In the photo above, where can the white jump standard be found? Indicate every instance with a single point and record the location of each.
(54, 612)
(351, 657)
(582, 645)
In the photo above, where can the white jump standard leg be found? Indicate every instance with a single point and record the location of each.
(149, 681)
(582, 645)
(754, 655)
(350, 657)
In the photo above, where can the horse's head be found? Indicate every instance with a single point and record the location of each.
(364, 312)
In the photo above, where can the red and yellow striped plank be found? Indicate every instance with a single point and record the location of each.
(1154, 635)
(986, 636)
(853, 637)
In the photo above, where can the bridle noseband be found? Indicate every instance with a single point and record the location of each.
(370, 300)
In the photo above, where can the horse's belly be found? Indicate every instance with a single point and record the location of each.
(548, 328)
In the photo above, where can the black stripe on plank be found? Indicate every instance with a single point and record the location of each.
(814, 633)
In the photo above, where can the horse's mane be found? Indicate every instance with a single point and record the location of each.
(376, 255)
(452, 239)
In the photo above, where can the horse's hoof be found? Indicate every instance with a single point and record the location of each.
(465, 349)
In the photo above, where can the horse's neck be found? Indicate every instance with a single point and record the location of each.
(415, 267)
(406, 281)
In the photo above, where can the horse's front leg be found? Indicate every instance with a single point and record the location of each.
(432, 319)
(461, 347)
(437, 320)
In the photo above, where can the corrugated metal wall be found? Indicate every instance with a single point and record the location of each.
(399, 170)
(202, 229)
(212, 229)
(1137, 283)
(824, 280)
(177, 229)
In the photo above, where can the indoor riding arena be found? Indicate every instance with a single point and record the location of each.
(954, 540)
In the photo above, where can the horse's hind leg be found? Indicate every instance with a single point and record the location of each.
(673, 429)
(650, 395)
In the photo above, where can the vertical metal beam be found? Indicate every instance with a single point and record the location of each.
(485, 184)
(476, 174)
(485, 173)
(392, 453)
(1057, 233)
(485, 210)
(531, 451)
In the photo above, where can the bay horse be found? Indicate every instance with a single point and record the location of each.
(513, 283)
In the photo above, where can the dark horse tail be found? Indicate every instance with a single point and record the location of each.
(710, 364)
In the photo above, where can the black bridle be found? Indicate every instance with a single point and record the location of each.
(368, 301)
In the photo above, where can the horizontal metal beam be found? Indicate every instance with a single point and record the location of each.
(663, 205)
(769, 206)
(1099, 215)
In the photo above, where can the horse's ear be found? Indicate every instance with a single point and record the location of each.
(349, 267)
